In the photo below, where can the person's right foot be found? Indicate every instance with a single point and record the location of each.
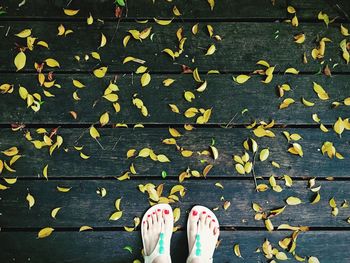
(207, 227)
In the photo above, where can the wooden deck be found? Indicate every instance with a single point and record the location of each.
(251, 30)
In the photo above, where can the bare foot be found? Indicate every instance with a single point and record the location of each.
(203, 235)
(157, 227)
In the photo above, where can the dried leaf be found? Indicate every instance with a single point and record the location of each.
(45, 232)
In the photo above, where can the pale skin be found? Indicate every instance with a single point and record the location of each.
(202, 222)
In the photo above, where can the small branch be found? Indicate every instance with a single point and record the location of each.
(100, 144)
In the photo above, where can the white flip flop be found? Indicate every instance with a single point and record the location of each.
(196, 251)
(163, 244)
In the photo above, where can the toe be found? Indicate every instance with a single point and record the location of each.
(154, 217)
(208, 220)
(159, 215)
(202, 219)
(212, 225)
(149, 222)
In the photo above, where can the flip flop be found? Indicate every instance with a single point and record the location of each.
(196, 251)
(163, 244)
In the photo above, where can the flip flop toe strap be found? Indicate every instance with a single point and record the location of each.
(197, 250)
(158, 250)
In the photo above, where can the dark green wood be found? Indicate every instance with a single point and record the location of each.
(310, 9)
(224, 9)
(111, 161)
(227, 98)
(82, 205)
(242, 46)
(89, 247)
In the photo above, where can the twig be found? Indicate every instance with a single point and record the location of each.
(253, 172)
(231, 121)
(116, 143)
(100, 144)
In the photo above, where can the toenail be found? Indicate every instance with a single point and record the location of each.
(144, 222)
(194, 213)
(166, 212)
(209, 216)
(204, 212)
(158, 210)
(153, 213)
(148, 215)
(213, 220)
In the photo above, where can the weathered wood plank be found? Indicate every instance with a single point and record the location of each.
(310, 9)
(226, 98)
(86, 247)
(111, 161)
(224, 9)
(83, 206)
(242, 46)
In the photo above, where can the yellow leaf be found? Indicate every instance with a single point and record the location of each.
(196, 75)
(237, 250)
(344, 31)
(281, 256)
(31, 200)
(174, 108)
(145, 152)
(162, 158)
(9, 180)
(70, 12)
(291, 9)
(90, 20)
(96, 55)
(78, 84)
(189, 96)
(240, 79)
(55, 211)
(211, 50)
(239, 168)
(111, 97)
(195, 29)
(169, 52)
(145, 79)
(117, 204)
(202, 87)
(322, 94)
(103, 40)
(293, 200)
(291, 71)
(20, 60)
(24, 33)
(313, 260)
(215, 152)
(211, 4)
(269, 225)
(100, 72)
(316, 199)
(264, 154)
(52, 62)
(162, 22)
(116, 215)
(11, 151)
(176, 11)
(168, 82)
(45, 171)
(130, 153)
(307, 103)
(104, 119)
(295, 21)
(84, 156)
(61, 30)
(45, 232)
(63, 189)
(174, 132)
(84, 228)
(300, 38)
(339, 126)
(94, 132)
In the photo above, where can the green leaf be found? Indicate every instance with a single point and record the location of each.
(120, 2)
(164, 174)
(128, 248)
(2, 12)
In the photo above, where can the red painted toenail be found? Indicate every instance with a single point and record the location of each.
(213, 220)
(158, 210)
(204, 212)
(166, 212)
(144, 222)
(153, 213)
(194, 213)
(148, 215)
(209, 216)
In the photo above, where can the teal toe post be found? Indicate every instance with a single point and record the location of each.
(198, 246)
(161, 243)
